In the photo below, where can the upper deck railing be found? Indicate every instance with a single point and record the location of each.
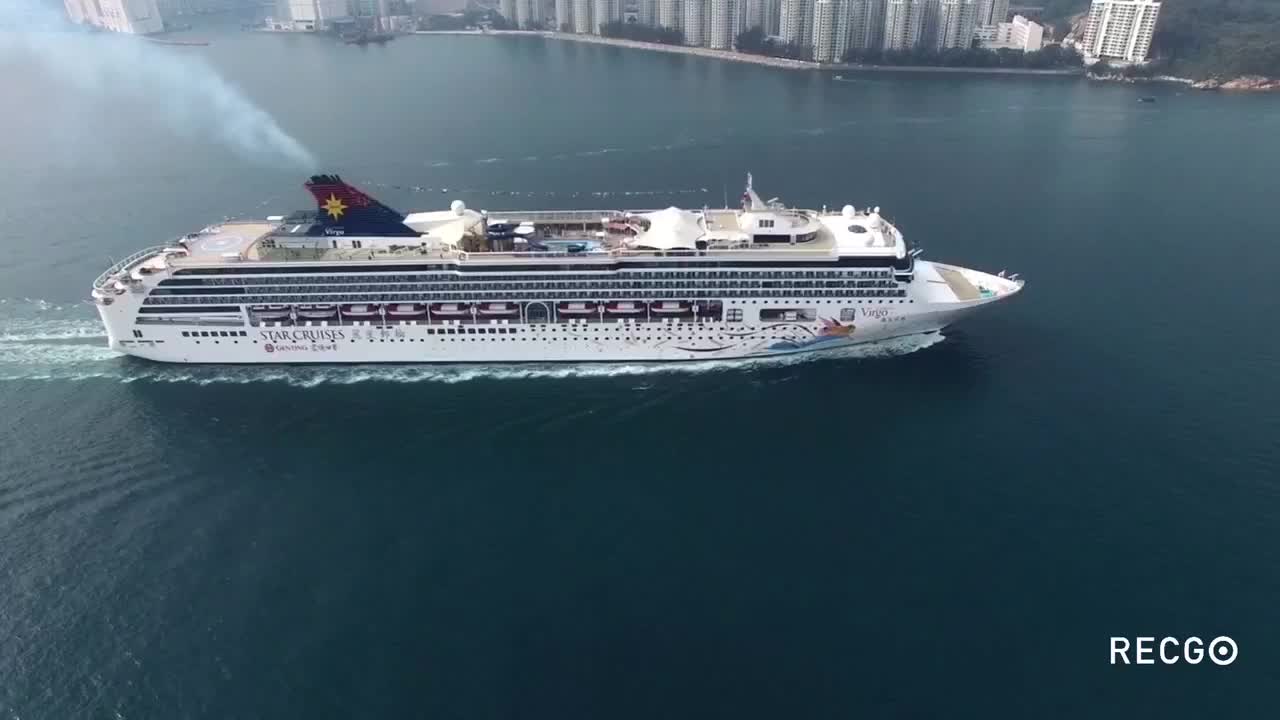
(126, 264)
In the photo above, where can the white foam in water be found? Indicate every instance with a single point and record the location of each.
(64, 344)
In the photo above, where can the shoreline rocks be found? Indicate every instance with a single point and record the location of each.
(1252, 83)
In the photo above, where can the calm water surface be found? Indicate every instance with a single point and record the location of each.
(950, 532)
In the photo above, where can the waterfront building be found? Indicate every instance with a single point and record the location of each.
(992, 12)
(564, 15)
(753, 14)
(134, 17)
(647, 12)
(508, 10)
(772, 17)
(1020, 34)
(671, 14)
(695, 23)
(830, 30)
(904, 22)
(866, 24)
(1119, 30)
(528, 13)
(604, 11)
(582, 11)
(954, 24)
(795, 24)
(181, 8)
(722, 25)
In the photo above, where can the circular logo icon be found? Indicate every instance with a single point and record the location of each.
(269, 347)
(1223, 650)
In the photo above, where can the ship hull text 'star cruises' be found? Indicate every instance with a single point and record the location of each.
(357, 282)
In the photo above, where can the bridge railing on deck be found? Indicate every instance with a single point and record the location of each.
(126, 264)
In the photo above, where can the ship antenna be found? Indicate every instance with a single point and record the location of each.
(725, 190)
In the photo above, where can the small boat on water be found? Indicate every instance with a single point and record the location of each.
(1146, 99)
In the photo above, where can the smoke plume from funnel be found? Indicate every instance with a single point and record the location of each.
(171, 85)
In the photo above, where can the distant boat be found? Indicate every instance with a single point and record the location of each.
(1146, 98)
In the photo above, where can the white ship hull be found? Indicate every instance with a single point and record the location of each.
(601, 339)
(357, 282)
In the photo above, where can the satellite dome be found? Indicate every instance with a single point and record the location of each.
(848, 211)
(457, 206)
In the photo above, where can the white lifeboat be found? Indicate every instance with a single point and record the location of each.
(317, 312)
(624, 308)
(450, 310)
(667, 307)
(360, 311)
(405, 311)
(498, 309)
(576, 308)
(271, 312)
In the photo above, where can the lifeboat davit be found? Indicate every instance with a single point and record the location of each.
(360, 311)
(624, 308)
(271, 312)
(406, 311)
(450, 310)
(317, 312)
(575, 309)
(498, 309)
(667, 307)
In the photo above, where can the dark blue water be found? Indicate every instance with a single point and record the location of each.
(951, 532)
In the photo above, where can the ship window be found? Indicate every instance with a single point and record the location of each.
(848, 314)
(186, 334)
(733, 315)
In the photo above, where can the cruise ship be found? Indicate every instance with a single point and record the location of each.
(354, 281)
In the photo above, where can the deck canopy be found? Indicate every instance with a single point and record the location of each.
(671, 229)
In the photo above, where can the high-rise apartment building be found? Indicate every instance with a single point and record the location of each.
(954, 23)
(1119, 30)
(991, 12)
(830, 30)
(135, 17)
(605, 11)
(904, 22)
(695, 22)
(647, 12)
(866, 24)
(671, 14)
(528, 13)
(722, 23)
(1018, 34)
(582, 12)
(795, 23)
(564, 15)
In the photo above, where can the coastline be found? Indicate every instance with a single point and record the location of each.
(732, 56)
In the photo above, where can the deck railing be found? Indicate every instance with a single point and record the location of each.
(126, 264)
